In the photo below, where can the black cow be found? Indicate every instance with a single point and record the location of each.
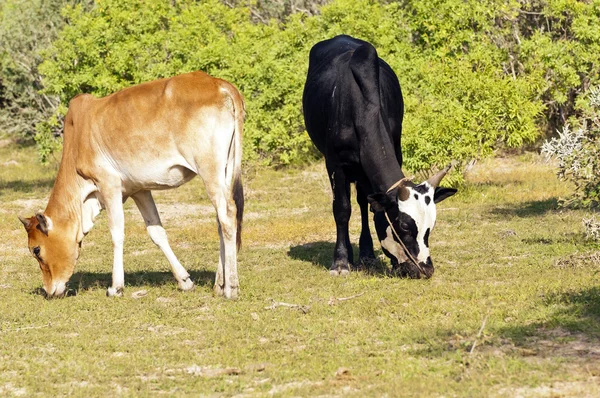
(353, 111)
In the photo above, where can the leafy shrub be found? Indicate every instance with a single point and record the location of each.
(476, 76)
(578, 155)
(26, 26)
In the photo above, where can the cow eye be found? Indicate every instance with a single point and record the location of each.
(36, 251)
(404, 226)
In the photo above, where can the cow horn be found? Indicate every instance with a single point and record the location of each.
(401, 182)
(435, 180)
(403, 192)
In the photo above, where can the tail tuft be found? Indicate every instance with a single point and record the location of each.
(237, 188)
(238, 197)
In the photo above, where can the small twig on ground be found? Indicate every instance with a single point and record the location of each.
(334, 300)
(479, 334)
(26, 328)
(303, 308)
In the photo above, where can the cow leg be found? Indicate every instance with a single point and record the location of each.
(147, 207)
(366, 256)
(113, 202)
(342, 209)
(226, 279)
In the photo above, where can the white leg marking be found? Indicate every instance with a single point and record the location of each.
(113, 200)
(147, 207)
(219, 278)
(226, 280)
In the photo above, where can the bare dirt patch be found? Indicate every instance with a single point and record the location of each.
(583, 389)
(6, 142)
(11, 390)
(181, 210)
(559, 342)
(28, 204)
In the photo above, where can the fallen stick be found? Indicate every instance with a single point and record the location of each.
(303, 308)
(334, 300)
(479, 334)
(26, 328)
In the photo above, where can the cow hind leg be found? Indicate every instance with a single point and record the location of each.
(226, 279)
(342, 255)
(366, 254)
(147, 207)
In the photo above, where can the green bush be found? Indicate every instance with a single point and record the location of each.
(476, 76)
(26, 26)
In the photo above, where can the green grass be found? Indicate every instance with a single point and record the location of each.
(496, 248)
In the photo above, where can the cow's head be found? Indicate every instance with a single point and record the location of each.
(56, 250)
(410, 209)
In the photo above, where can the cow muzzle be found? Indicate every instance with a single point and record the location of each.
(408, 269)
(56, 290)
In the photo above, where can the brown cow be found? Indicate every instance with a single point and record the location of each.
(156, 135)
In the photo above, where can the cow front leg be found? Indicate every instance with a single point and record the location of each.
(147, 207)
(342, 255)
(366, 256)
(113, 201)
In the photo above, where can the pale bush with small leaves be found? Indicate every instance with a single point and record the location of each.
(592, 228)
(578, 154)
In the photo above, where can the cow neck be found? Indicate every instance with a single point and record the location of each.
(64, 205)
(384, 171)
(379, 160)
(392, 175)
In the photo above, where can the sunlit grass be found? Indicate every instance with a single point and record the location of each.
(495, 248)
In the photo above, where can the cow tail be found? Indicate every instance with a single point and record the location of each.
(235, 160)
(364, 64)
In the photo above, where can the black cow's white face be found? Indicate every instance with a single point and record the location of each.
(411, 211)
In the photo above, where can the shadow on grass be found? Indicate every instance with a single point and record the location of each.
(528, 209)
(96, 280)
(25, 186)
(573, 330)
(576, 238)
(580, 310)
(318, 253)
(478, 186)
(321, 254)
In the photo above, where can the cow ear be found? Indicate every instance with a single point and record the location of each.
(44, 223)
(380, 202)
(26, 222)
(442, 193)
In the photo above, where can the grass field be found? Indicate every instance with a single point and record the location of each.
(513, 308)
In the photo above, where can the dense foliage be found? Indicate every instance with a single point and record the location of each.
(578, 154)
(477, 76)
(25, 27)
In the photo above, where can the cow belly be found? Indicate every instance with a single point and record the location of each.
(160, 178)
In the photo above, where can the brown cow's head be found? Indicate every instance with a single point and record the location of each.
(55, 249)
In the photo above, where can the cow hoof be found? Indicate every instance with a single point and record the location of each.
(186, 284)
(342, 270)
(366, 263)
(232, 294)
(114, 292)
(218, 290)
